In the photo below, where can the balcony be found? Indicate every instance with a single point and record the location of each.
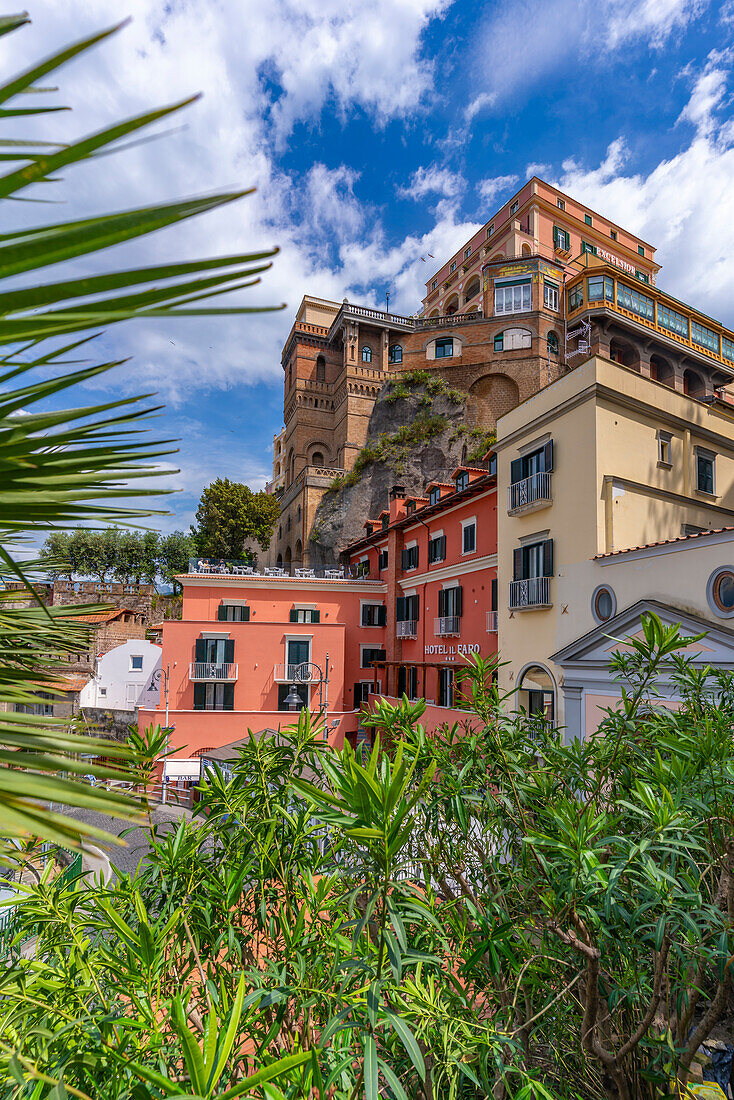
(491, 622)
(406, 629)
(447, 625)
(302, 673)
(530, 493)
(211, 670)
(529, 593)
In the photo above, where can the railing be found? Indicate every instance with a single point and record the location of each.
(448, 320)
(408, 628)
(535, 489)
(491, 622)
(532, 592)
(286, 674)
(211, 670)
(447, 624)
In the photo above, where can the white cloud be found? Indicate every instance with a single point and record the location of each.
(526, 42)
(433, 181)
(684, 206)
(478, 104)
(490, 188)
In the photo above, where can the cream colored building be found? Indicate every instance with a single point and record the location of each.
(603, 460)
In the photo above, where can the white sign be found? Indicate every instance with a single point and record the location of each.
(450, 651)
(610, 259)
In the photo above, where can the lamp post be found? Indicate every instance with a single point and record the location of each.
(293, 700)
(160, 677)
(304, 674)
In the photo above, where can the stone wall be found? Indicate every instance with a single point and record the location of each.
(138, 597)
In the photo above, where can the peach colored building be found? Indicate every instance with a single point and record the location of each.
(419, 594)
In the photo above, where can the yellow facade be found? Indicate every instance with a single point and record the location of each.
(624, 473)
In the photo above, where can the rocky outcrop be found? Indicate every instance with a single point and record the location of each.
(418, 432)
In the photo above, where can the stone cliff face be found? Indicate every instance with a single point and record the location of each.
(418, 432)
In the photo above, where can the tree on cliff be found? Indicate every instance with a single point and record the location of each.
(229, 515)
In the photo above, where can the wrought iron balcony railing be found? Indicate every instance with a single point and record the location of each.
(532, 592)
(212, 670)
(531, 491)
(447, 624)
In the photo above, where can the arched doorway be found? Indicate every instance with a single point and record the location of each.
(472, 290)
(279, 561)
(693, 384)
(662, 371)
(452, 305)
(288, 558)
(320, 369)
(536, 693)
(299, 552)
(623, 353)
(527, 250)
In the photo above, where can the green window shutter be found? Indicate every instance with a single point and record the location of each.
(221, 612)
(294, 615)
(199, 696)
(245, 614)
(382, 616)
(229, 651)
(316, 616)
(199, 650)
(228, 697)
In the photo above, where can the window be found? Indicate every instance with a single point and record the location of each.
(450, 602)
(575, 297)
(640, 250)
(452, 267)
(369, 655)
(705, 471)
(232, 613)
(462, 480)
(437, 549)
(213, 696)
(720, 592)
(444, 348)
(136, 662)
(395, 354)
(672, 321)
(665, 449)
(600, 287)
(498, 341)
(642, 276)
(434, 494)
(530, 465)
(727, 349)
(410, 558)
(374, 614)
(586, 247)
(514, 207)
(587, 219)
(515, 298)
(490, 230)
(382, 560)
(214, 651)
(613, 234)
(552, 339)
(469, 537)
(305, 615)
(366, 354)
(362, 690)
(434, 284)
(363, 567)
(384, 522)
(446, 687)
(603, 603)
(102, 691)
(635, 302)
(533, 561)
(321, 369)
(561, 239)
(561, 204)
(407, 609)
(284, 691)
(550, 296)
(44, 707)
(704, 337)
(467, 252)
(409, 507)
(408, 681)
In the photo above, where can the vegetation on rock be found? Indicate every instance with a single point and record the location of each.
(392, 448)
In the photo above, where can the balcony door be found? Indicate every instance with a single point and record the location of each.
(214, 651)
(299, 651)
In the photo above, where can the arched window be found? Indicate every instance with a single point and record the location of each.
(396, 354)
(472, 290)
(279, 561)
(299, 550)
(537, 693)
(321, 369)
(366, 354)
(693, 384)
(552, 343)
(317, 459)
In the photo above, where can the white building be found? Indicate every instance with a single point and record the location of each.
(124, 678)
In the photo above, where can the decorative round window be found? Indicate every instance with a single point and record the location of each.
(720, 592)
(603, 603)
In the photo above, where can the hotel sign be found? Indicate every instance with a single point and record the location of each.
(611, 259)
(450, 651)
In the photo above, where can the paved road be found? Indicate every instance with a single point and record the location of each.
(128, 857)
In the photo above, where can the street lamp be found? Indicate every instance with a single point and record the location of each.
(162, 677)
(293, 700)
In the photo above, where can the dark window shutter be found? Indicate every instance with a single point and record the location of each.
(548, 456)
(357, 696)
(459, 599)
(316, 616)
(294, 615)
(416, 607)
(200, 650)
(441, 603)
(365, 615)
(245, 614)
(229, 651)
(228, 697)
(494, 594)
(404, 560)
(222, 612)
(199, 696)
(516, 470)
(443, 547)
(382, 616)
(548, 558)
(400, 609)
(517, 564)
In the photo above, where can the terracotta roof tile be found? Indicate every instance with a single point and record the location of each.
(103, 616)
(663, 542)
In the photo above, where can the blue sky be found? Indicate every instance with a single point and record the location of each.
(376, 131)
